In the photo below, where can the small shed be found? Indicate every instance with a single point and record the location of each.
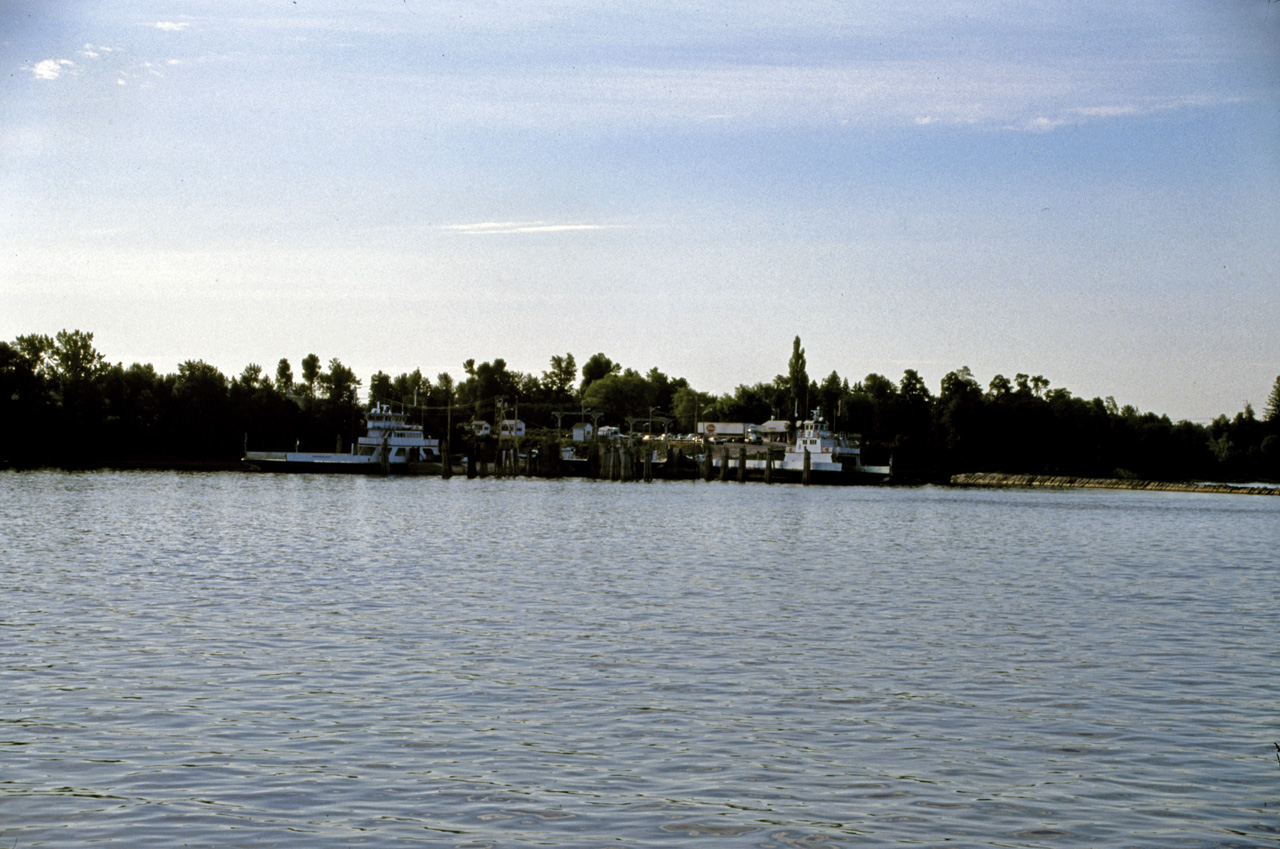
(510, 427)
(776, 431)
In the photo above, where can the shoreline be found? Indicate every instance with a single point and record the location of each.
(990, 479)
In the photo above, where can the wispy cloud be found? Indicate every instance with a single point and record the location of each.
(498, 227)
(171, 26)
(1035, 95)
(49, 69)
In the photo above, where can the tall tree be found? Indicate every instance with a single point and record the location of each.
(958, 418)
(310, 373)
(1273, 404)
(78, 366)
(687, 405)
(562, 376)
(202, 413)
(798, 375)
(410, 388)
(340, 383)
(251, 377)
(444, 381)
(284, 377)
(596, 367)
(379, 388)
(620, 395)
(76, 359)
(37, 350)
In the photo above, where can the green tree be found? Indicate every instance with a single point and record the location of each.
(75, 359)
(999, 387)
(686, 406)
(138, 401)
(202, 413)
(959, 419)
(200, 381)
(380, 388)
(486, 382)
(596, 367)
(310, 373)
(444, 382)
(830, 395)
(251, 377)
(284, 377)
(77, 367)
(619, 396)
(27, 412)
(662, 389)
(913, 424)
(1272, 409)
(912, 388)
(37, 350)
(560, 379)
(339, 383)
(410, 388)
(755, 403)
(798, 377)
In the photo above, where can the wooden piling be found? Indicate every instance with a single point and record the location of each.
(804, 475)
(768, 467)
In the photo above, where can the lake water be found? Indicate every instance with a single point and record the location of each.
(242, 660)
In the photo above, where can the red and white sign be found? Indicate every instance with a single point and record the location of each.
(711, 429)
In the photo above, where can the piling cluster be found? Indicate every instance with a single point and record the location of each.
(620, 460)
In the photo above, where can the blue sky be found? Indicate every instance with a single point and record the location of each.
(1087, 191)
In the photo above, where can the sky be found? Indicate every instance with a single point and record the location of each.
(1086, 191)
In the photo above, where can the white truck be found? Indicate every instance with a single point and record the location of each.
(726, 431)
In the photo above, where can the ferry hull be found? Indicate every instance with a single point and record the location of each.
(845, 472)
(334, 464)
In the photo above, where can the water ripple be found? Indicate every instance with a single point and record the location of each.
(254, 660)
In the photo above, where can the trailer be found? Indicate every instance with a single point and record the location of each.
(736, 431)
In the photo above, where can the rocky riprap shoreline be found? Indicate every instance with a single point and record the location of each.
(1054, 481)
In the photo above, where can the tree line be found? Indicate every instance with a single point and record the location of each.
(63, 404)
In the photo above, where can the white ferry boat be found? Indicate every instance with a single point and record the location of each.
(391, 446)
(833, 458)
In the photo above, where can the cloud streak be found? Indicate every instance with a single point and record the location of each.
(1026, 96)
(490, 228)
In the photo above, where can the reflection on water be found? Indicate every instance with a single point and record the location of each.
(218, 659)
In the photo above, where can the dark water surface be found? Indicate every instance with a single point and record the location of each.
(239, 660)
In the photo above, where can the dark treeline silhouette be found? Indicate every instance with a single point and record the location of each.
(62, 404)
